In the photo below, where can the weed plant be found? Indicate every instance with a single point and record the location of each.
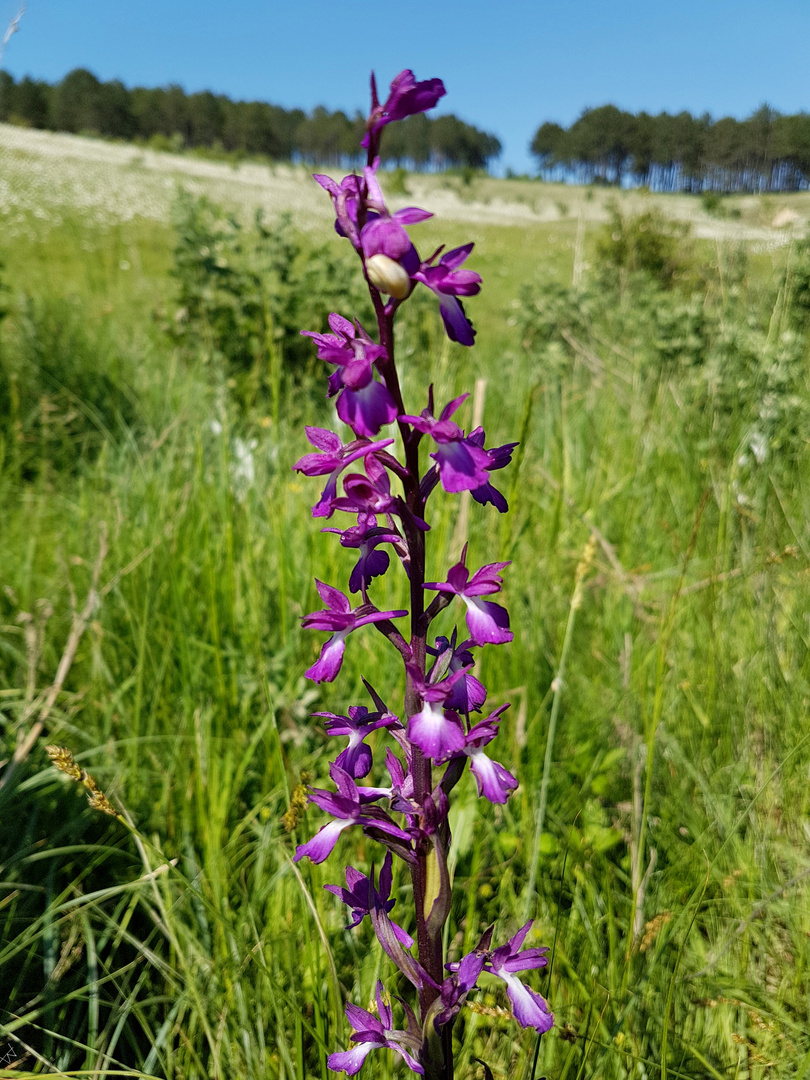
(661, 681)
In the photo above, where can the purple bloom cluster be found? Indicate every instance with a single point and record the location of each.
(433, 737)
(391, 262)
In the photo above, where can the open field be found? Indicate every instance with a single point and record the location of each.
(45, 173)
(664, 439)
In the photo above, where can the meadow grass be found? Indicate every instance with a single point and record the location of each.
(659, 681)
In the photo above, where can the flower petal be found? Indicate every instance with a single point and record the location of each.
(494, 781)
(411, 1062)
(351, 1061)
(488, 623)
(458, 326)
(322, 843)
(411, 215)
(367, 409)
(327, 665)
(324, 440)
(437, 734)
(530, 1009)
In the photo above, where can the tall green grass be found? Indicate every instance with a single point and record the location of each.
(671, 856)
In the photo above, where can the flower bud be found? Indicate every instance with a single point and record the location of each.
(388, 276)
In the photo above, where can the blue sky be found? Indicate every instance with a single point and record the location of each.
(507, 64)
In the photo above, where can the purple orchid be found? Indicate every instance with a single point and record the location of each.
(366, 536)
(371, 1032)
(458, 985)
(392, 263)
(348, 808)
(333, 458)
(462, 464)
(371, 494)
(347, 342)
(494, 781)
(406, 97)
(402, 786)
(363, 403)
(361, 896)
(346, 197)
(468, 694)
(499, 458)
(436, 738)
(358, 725)
(530, 1009)
(448, 283)
(390, 258)
(438, 732)
(339, 617)
(487, 622)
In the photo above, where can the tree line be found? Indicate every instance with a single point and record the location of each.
(83, 103)
(768, 151)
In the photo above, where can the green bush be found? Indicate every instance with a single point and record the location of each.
(647, 243)
(735, 362)
(712, 203)
(243, 296)
(167, 144)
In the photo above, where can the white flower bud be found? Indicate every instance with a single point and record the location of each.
(388, 276)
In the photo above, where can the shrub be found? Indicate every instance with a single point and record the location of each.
(737, 371)
(647, 243)
(242, 295)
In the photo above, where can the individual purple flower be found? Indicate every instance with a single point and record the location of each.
(365, 536)
(406, 97)
(368, 494)
(361, 896)
(458, 985)
(331, 461)
(371, 494)
(438, 732)
(499, 458)
(530, 1009)
(338, 617)
(358, 725)
(371, 1032)
(346, 198)
(363, 403)
(462, 464)
(347, 808)
(346, 343)
(487, 622)
(468, 694)
(448, 283)
(494, 781)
